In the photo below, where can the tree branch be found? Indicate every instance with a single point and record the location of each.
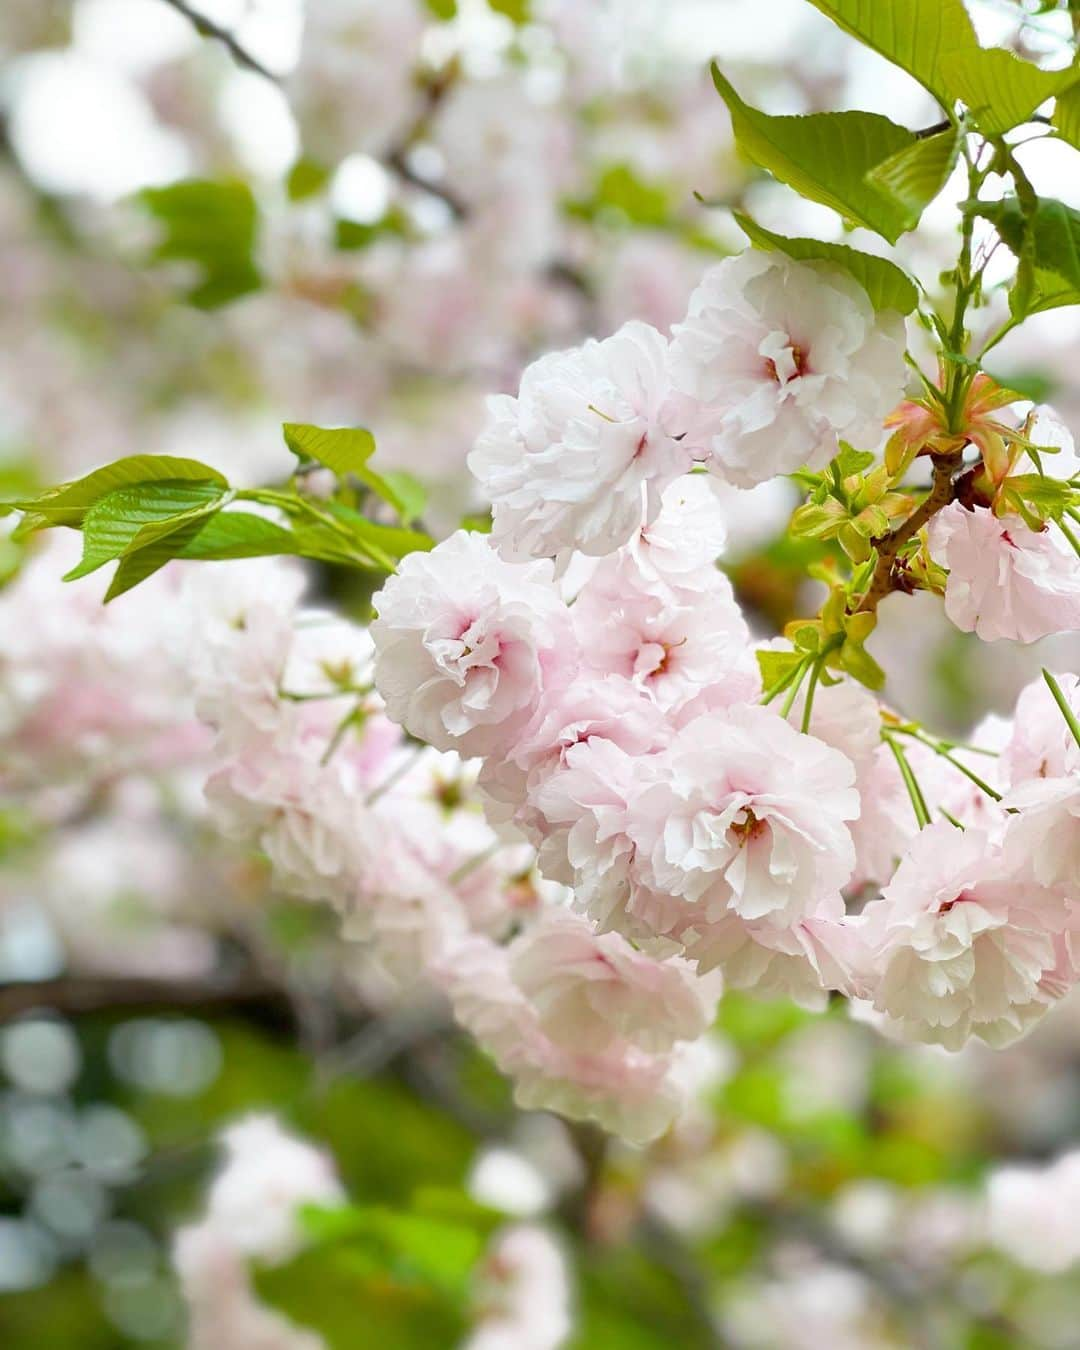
(207, 28)
(939, 496)
(77, 994)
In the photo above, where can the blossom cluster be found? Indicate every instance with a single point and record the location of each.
(590, 653)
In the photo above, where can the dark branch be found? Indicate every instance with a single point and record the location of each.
(75, 994)
(208, 29)
(926, 132)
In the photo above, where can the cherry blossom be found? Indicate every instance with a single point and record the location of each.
(744, 815)
(523, 1293)
(784, 358)
(1005, 579)
(466, 643)
(556, 1010)
(1041, 745)
(1031, 1213)
(251, 1212)
(580, 458)
(959, 946)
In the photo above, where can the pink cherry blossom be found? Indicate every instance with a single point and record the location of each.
(1042, 746)
(580, 458)
(523, 1294)
(1031, 1213)
(742, 814)
(672, 639)
(467, 643)
(958, 946)
(1005, 580)
(521, 1003)
(784, 358)
(252, 1211)
(1044, 832)
(820, 952)
(610, 707)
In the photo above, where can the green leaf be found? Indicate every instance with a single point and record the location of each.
(440, 1251)
(149, 558)
(851, 461)
(212, 224)
(1001, 91)
(307, 178)
(345, 450)
(622, 191)
(239, 534)
(443, 9)
(408, 1272)
(922, 37)
(774, 666)
(1047, 291)
(1054, 233)
(1066, 115)
(338, 1290)
(409, 496)
(130, 518)
(918, 173)
(857, 661)
(518, 11)
(934, 41)
(69, 503)
(358, 234)
(886, 285)
(386, 538)
(825, 157)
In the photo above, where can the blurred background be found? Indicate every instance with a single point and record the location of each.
(219, 216)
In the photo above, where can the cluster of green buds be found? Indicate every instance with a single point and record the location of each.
(849, 505)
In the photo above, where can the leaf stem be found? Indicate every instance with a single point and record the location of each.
(808, 707)
(939, 748)
(1070, 717)
(918, 801)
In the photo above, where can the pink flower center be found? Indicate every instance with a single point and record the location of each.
(944, 909)
(786, 363)
(749, 828)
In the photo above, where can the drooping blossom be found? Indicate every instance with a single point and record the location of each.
(580, 458)
(268, 1175)
(1005, 579)
(1042, 746)
(783, 359)
(466, 643)
(1043, 831)
(582, 1023)
(818, 953)
(958, 945)
(237, 636)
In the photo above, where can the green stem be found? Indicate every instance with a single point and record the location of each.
(1063, 703)
(939, 748)
(1067, 532)
(918, 801)
(782, 683)
(794, 690)
(808, 707)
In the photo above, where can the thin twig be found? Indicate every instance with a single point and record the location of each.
(208, 29)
